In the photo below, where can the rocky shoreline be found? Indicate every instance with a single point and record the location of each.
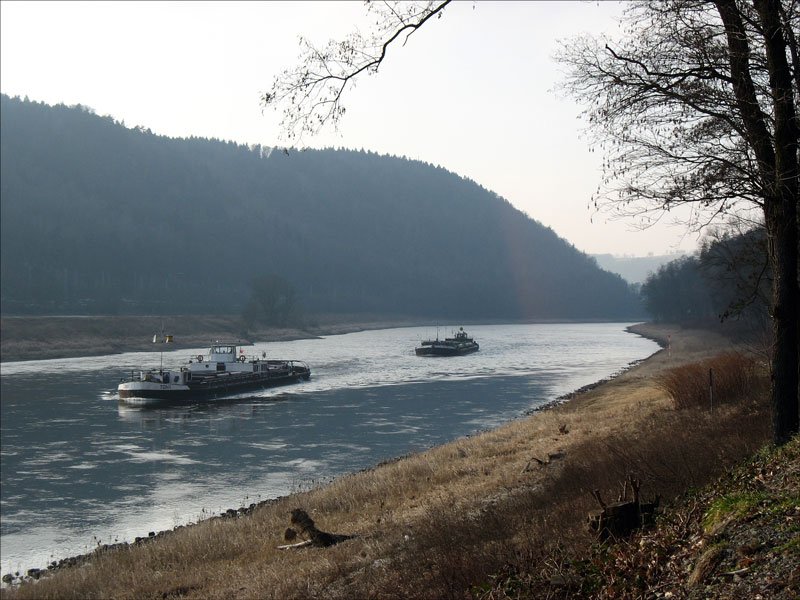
(35, 573)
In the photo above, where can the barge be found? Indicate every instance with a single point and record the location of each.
(459, 344)
(223, 371)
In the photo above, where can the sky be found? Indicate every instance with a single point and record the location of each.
(475, 92)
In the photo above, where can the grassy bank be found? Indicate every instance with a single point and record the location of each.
(738, 537)
(491, 515)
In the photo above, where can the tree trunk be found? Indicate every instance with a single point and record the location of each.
(778, 169)
(780, 211)
(782, 231)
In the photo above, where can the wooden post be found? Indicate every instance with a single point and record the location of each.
(711, 388)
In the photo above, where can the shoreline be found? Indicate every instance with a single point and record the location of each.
(53, 337)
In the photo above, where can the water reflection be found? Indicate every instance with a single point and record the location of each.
(242, 407)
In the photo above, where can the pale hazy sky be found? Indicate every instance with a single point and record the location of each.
(473, 92)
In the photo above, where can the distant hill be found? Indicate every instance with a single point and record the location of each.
(634, 269)
(98, 218)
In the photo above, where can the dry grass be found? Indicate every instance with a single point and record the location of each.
(729, 377)
(449, 522)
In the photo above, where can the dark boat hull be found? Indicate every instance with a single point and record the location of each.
(443, 351)
(215, 387)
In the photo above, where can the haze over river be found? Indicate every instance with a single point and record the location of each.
(79, 468)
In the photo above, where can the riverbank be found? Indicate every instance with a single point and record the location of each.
(41, 338)
(49, 337)
(441, 522)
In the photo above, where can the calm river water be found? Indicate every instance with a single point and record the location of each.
(79, 469)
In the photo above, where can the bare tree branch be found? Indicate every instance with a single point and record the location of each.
(311, 93)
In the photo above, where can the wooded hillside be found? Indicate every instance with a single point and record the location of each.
(98, 218)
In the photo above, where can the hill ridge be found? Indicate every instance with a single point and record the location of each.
(100, 218)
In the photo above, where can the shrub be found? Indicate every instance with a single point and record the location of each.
(736, 378)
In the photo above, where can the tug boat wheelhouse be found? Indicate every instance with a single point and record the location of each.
(225, 370)
(460, 343)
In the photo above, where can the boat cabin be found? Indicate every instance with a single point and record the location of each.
(222, 353)
(222, 357)
(175, 377)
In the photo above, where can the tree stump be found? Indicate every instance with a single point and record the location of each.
(621, 519)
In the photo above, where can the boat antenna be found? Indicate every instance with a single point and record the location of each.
(165, 339)
(156, 339)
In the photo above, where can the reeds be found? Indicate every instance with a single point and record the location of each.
(727, 378)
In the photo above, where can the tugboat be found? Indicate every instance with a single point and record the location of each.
(460, 343)
(225, 370)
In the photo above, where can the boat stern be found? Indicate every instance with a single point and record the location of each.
(153, 384)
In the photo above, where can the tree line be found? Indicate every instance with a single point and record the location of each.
(99, 218)
(729, 278)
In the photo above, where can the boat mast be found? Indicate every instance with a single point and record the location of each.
(165, 339)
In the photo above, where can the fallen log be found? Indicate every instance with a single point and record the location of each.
(307, 528)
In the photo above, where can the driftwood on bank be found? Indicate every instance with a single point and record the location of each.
(307, 529)
(622, 518)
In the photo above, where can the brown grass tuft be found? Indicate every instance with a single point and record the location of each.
(732, 377)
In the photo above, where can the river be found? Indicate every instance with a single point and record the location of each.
(80, 469)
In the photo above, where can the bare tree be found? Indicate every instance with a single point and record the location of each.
(695, 106)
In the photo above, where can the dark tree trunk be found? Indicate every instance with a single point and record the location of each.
(781, 218)
(777, 158)
(782, 231)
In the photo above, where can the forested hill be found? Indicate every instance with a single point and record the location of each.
(101, 218)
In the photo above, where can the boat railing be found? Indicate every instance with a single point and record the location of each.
(139, 375)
